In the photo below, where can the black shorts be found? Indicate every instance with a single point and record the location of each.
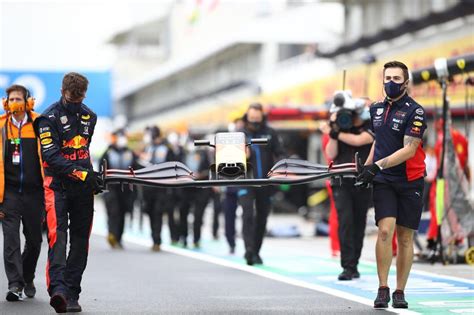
(400, 200)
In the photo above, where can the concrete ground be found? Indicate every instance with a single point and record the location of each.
(299, 277)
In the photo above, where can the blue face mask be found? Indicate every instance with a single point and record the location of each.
(365, 115)
(393, 90)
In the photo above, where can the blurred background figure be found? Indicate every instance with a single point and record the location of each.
(158, 201)
(230, 211)
(194, 199)
(177, 194)
(119, 199)
(431, 172)
(216, 197)
(255, 202)
(333, 220)
(215, 194)
(230, 198)
(461, 144)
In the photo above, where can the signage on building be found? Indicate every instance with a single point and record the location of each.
(45, 87)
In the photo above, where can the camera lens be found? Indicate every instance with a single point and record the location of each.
(344, 119)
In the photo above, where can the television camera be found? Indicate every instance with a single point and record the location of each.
(347, 108)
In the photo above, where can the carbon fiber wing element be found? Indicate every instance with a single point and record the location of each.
(176, 174)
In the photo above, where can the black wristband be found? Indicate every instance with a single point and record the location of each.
(333, 134)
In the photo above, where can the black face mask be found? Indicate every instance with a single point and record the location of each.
(74, 108)
(255, 125)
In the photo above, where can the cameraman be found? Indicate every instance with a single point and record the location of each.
(349, 133)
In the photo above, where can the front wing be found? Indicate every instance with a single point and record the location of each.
(176, 174)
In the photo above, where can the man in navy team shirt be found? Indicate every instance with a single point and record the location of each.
(396, 167)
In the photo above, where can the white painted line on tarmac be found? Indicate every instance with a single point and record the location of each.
(263, 273)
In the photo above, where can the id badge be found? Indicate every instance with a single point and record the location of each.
(16, 158)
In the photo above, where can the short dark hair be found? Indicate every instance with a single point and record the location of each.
(154, 131)
(76, 84)
(397, 64)
(17, 88)
(256, 106)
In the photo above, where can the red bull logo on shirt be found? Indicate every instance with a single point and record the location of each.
(77, 142)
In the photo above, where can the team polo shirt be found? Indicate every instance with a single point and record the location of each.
(391, 123)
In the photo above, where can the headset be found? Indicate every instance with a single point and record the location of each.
(27, 106)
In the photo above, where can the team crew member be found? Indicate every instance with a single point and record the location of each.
(231, 199)
(255, 202)
(196, 199)
(118, 200)
(65, 129)
(396, 166)
(158, 201)
(21, 192)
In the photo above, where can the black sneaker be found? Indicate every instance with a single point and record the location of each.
(355, 274)
(249, 258)
(257, 260)
(58, 302)
(345, 275)
(14, 294)
(30, 290)
(73, 306)
(398, 299)
(383, 297)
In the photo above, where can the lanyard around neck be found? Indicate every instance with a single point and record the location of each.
(15, 141)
